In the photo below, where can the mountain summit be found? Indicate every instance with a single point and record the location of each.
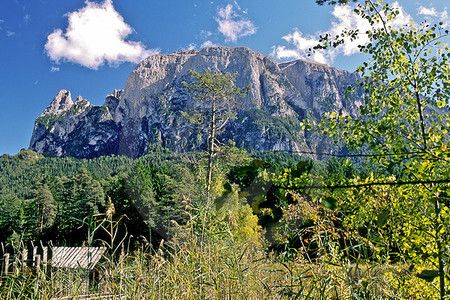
(148, 110)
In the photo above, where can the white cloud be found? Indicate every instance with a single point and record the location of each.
(302, 44)
(7, 32)
(427, 11)
(205, 33)
(207, 44)
(445, 19)
(344, 18)
(54, 69)
(237, 5)
(96, 34)
(27, 18)
(232, 25)
(433, 14)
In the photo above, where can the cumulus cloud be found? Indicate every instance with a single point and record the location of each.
(232, 25)
(433, 14)
(192, 46)
(205, 33)
(95, 35)
(299, 43)
(427, 11)
(207, 44)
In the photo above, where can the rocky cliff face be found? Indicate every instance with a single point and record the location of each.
(78, 129)
(148, 110)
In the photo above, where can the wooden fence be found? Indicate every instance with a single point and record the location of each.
(43, 258)
(35, 258)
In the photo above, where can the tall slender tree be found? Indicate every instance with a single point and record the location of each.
(219, 102)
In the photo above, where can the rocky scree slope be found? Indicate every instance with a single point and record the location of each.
(147, 111)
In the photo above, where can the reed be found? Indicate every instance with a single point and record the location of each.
(208, 261)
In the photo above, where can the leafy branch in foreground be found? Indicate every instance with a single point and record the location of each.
(406, 84)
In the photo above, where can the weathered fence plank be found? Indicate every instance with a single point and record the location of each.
(6, 263)
(2, 253)
(30, 254)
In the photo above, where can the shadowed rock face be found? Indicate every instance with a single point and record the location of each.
(148, 110)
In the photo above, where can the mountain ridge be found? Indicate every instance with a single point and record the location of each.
(147, 111)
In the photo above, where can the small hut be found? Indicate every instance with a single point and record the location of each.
(66, 257)
(45, 258)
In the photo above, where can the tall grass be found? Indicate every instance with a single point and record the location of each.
(208, 261)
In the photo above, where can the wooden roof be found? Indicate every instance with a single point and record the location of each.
(74, 257)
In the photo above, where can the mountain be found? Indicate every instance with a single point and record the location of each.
(147, 111)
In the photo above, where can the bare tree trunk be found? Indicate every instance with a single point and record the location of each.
(211, 149)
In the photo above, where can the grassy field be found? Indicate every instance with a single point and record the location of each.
(217, 265)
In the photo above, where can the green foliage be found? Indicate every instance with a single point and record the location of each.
(218, 102)
(339, 230)
(55, 197)
(274, 127)
(158, 188)
(255, 185)
(20, 173)
(79, 107)
(40, 211)
(11, 215)
(276, 162)
(217, 92)
(406, 84)
(77, 198)
(52, 195)
(104, 109)
(339, 171)
(29, 155)
(207, 258)
(49, 119)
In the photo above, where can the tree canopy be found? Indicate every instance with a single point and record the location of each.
(404, 125)
(218, 98)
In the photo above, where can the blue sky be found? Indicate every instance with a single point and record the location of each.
(90, 47)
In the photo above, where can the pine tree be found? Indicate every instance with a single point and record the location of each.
(219, 99)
